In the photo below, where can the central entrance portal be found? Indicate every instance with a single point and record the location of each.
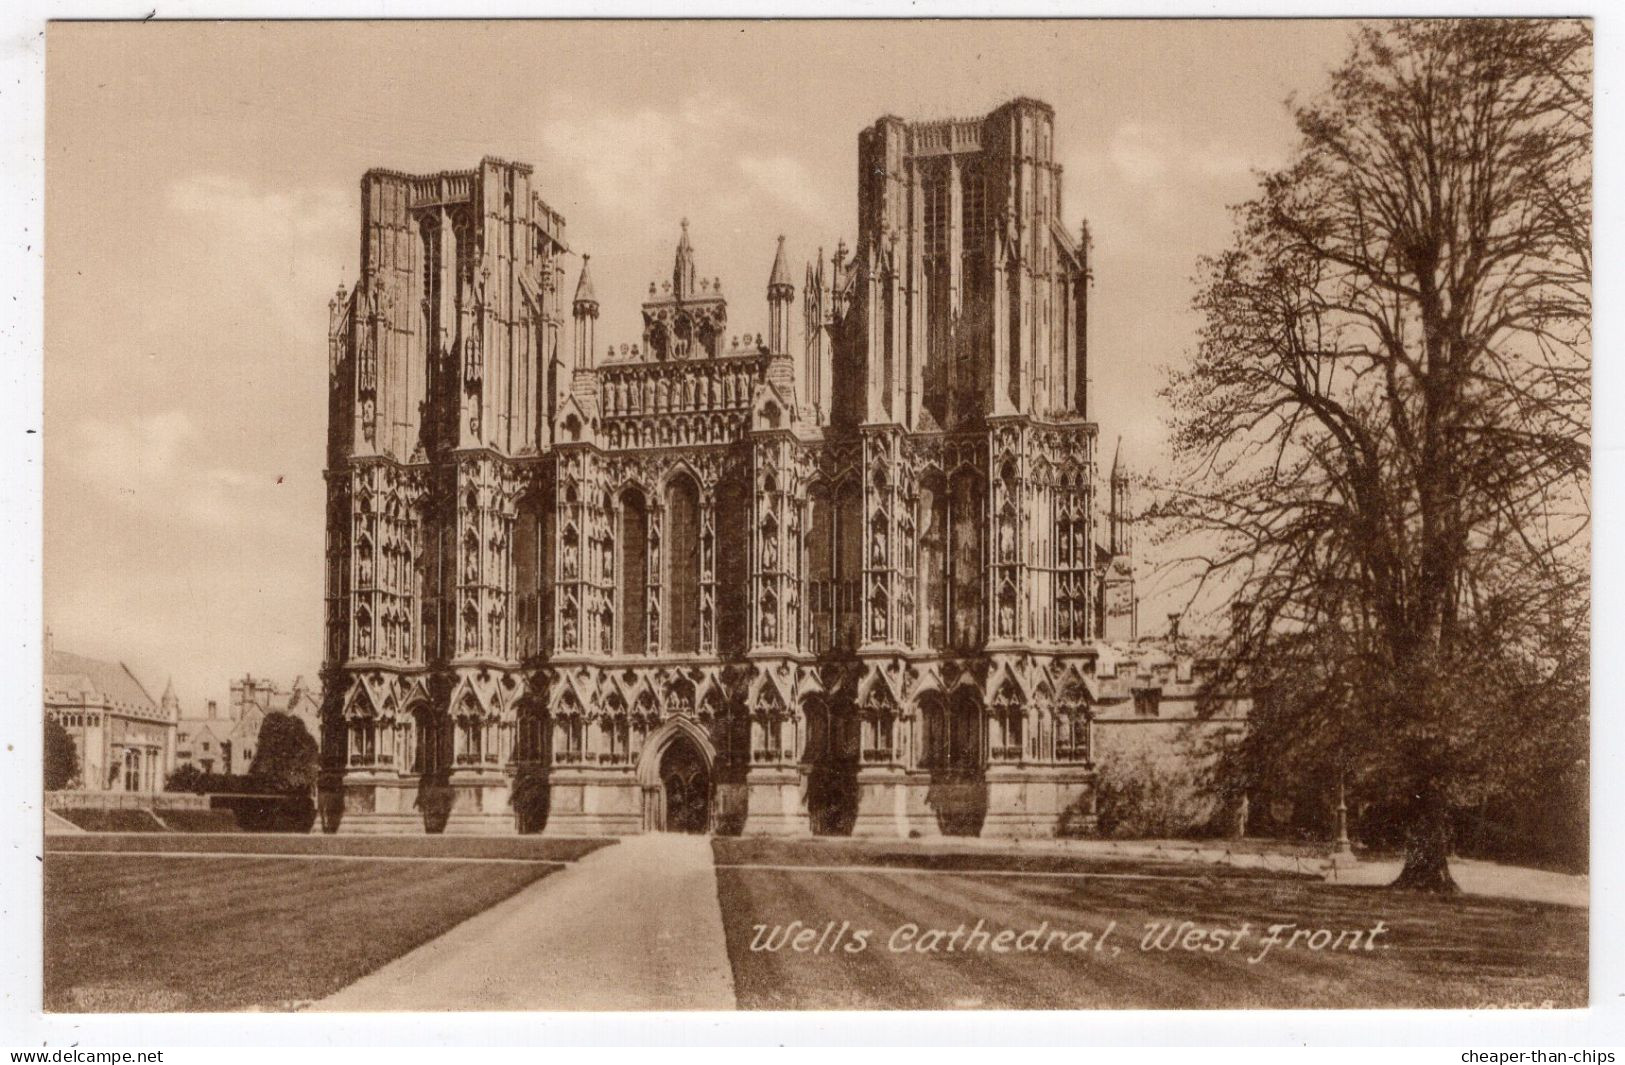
(675, 774)
(687, 786)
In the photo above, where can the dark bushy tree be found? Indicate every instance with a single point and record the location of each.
(61, 757)
(1383, 439)
(286, 755)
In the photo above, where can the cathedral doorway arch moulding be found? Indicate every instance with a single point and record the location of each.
(676, 775)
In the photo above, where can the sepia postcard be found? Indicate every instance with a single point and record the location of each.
(816, 515)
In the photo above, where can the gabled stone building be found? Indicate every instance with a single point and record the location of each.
(125, 741)
(844, 578)
(225, 742)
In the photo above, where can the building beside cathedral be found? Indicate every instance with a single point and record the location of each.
(125, 741)
(225, 741)
(858, 577)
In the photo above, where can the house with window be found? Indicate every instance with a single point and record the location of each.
(224, 740)
(124, 739)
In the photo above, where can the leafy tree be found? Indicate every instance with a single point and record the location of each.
(61, 757)
(1383, 438)
(286, 754)
(187, 778)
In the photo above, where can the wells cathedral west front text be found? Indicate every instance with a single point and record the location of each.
(858, 582)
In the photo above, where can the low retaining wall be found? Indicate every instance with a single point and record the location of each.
(125, 800)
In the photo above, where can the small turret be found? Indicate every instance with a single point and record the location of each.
(1119, 614)
(780, 294)
(585, 312)
(1121, 534)
(170, 703)
(683, 277)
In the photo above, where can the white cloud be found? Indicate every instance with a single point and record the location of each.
(787, 180)
(1142, 154)
(271, 252)
(622, 156)
(634, 164)
(157, 465)
(1154, 154)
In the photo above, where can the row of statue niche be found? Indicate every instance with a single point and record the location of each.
(688, 391)
(397, 626)
(471, 630)
(569, 555)
(770, 618)
(691, 429)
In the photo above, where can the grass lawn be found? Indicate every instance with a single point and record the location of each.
(1460, 952)
(530, 848)
(949, 855)
(133, 932)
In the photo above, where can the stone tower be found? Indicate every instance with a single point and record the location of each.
(711, 580)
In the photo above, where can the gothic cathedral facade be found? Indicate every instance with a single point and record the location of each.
(845, 578)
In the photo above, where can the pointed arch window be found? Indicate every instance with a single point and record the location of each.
(1007, 719)
(683, 565)
(634, 570)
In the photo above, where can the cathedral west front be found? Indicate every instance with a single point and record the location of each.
(864, 576)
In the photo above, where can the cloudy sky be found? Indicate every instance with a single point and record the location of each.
(202, 205)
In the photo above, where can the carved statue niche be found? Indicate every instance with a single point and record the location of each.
(571, 553)
(567, 627)
(770, 546)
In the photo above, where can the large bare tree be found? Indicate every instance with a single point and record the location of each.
(1383, 437)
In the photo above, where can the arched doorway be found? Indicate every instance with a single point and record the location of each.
(675, 770)
(686, 784)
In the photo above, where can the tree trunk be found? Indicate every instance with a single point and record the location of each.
(1427, 851)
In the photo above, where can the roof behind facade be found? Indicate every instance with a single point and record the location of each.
(74, 677)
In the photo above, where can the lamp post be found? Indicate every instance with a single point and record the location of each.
(1341, 847)
(1342, 850)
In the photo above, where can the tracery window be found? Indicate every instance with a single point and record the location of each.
(733, 533)
(634, 569)
(965, 559)
(1007, 720)
(934, 560)
(848, 552)
(973, 205)
(936, 217)
(683, 565)
(1072, 736)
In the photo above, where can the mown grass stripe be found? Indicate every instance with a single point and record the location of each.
(273, 857)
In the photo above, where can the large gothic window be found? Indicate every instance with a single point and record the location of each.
(429, 230)
(683, 565)
(821, 568)
(934, 560)
(849, 563)
(733, 532)
(966, 559)
(973, 207)
(634, 570)
(936, 218)
(526, 583)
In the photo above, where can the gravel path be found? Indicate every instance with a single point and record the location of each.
(635, 926)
